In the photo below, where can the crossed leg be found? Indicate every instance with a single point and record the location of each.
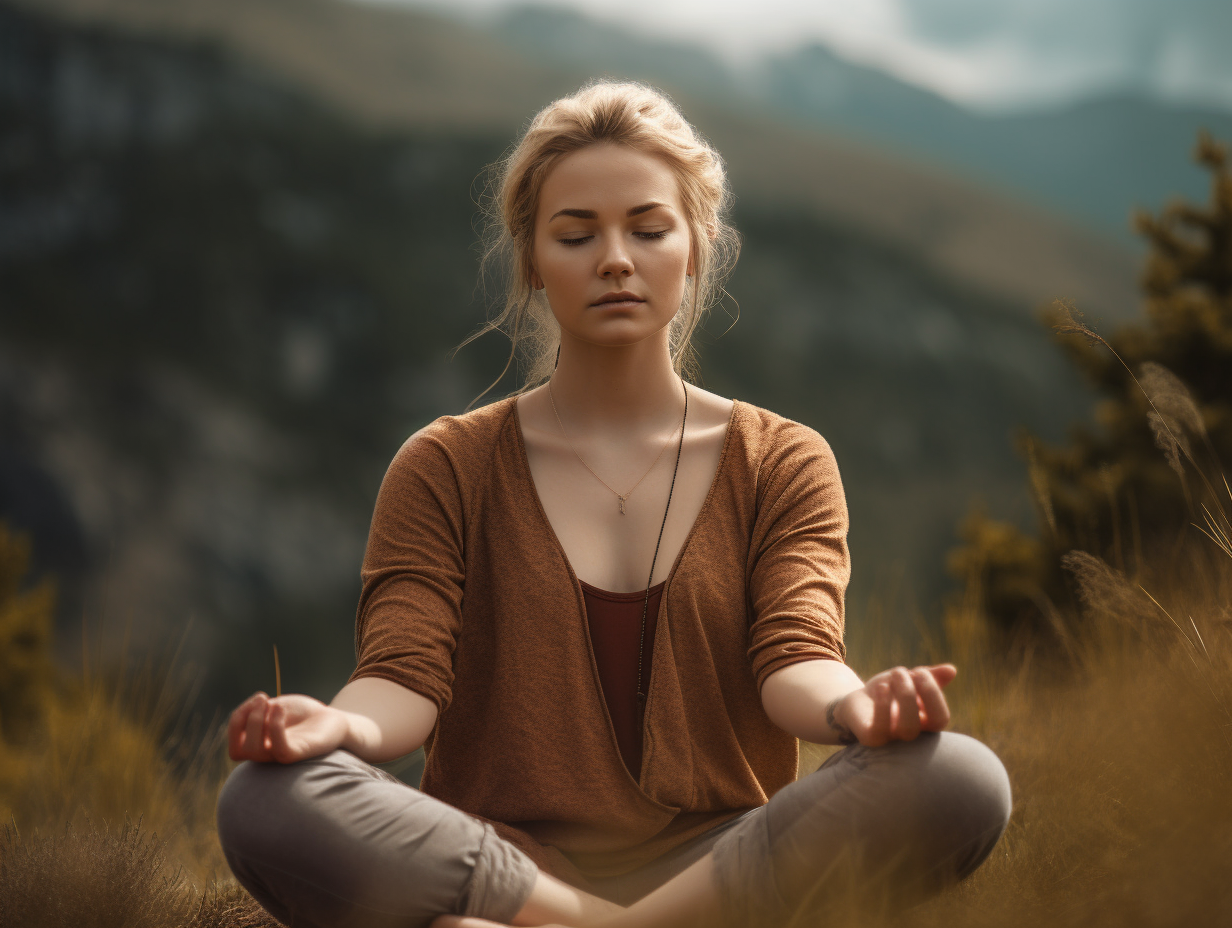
(873, 828)
(335, 842)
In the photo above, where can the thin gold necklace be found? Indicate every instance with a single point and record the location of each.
(621, 498)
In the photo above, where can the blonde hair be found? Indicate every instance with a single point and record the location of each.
(622, 113)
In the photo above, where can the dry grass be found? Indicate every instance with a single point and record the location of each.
(108, 877)
(1121, 764)
(109, 811)
(1122, 772)
(108, 748)
(1120, 754)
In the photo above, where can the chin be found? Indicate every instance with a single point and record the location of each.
(618, 335)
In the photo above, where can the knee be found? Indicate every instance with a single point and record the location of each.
(976, 779)
(248, 797)
(945, 775)
(260, 804)
(966, 798)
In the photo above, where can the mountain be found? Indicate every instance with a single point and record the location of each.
(1096, 160)
(397, 67)
(1161, 48)
(228, 296)
(224, 306)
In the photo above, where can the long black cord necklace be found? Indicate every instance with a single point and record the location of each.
(641, 696)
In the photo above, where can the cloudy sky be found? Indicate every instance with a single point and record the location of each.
(992, 54)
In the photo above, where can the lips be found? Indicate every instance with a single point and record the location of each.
(624, 296)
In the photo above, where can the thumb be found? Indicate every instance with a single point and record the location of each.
(943, 673)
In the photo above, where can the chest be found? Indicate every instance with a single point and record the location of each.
(611, 542)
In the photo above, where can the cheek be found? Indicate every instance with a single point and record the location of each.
(681, 254)
(673, 262)
(558, 264)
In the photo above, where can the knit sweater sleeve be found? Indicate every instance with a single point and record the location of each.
(799, 560)
(410, 604)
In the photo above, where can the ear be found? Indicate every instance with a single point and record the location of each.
(535, 280)
(688, 271)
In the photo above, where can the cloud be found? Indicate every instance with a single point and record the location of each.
(993, 54)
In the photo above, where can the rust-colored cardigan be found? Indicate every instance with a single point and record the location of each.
(468, 599)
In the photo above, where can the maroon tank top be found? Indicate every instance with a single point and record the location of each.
(615, 626)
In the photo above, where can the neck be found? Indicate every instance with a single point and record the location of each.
(626, 387)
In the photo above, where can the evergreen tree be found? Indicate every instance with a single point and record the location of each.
(1139, 487)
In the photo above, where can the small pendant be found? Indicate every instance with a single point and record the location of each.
(622, 503)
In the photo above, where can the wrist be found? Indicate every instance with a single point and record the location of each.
(837, 721)
(360, 734)
(795, 697)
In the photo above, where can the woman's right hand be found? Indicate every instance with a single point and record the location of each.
(284, 729)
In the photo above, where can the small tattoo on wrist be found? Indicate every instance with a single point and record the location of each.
(844, 733)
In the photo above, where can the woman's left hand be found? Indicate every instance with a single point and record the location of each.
(894, 705)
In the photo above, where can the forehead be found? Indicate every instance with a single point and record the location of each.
(607, 178)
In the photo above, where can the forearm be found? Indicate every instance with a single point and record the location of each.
(363, 738)
(797, 697)
(384, 721)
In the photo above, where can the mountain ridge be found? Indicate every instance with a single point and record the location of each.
(1094, 159)
(228, 303)
(356, 57)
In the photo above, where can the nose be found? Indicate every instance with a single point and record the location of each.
(615, 259)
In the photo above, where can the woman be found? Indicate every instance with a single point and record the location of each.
(607, 606)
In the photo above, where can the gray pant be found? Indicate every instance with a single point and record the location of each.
(333, 842)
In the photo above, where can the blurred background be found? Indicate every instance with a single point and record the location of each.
(239, 241)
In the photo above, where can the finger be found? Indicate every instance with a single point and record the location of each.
(254, 732)
(235, 731)
(936, 710)
(235, 728)
(879, 730)
(908, 709)
(279, 746)
(943, 673)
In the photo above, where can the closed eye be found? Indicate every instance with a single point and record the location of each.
(582, 239)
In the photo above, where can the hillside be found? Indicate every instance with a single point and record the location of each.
(406, 68)
(226, 304)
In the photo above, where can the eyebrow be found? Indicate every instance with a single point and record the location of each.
(591, 214)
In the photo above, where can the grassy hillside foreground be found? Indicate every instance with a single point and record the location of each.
(1121, 760)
